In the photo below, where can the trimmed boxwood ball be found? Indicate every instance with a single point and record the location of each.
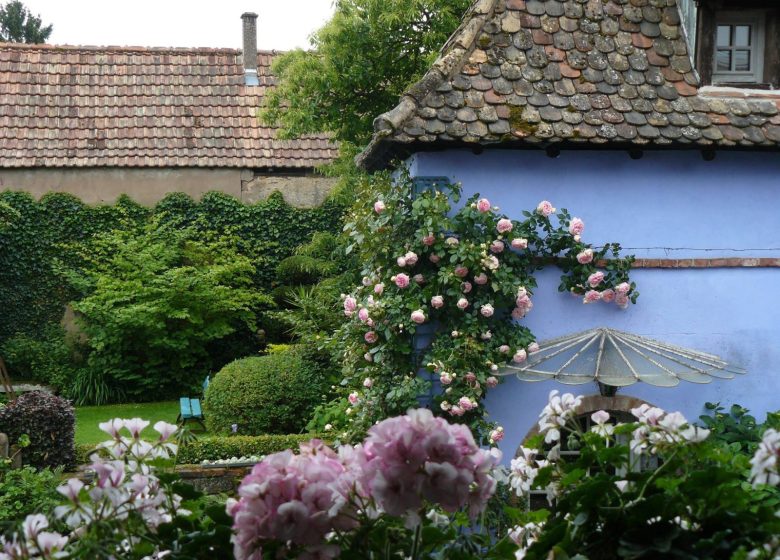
(273, 394)
(50, 423)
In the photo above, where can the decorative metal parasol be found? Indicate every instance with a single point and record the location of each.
(617, 359)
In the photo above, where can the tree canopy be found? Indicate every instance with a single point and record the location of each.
(361, 62)
(19, 25)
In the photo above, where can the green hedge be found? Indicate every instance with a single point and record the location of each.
(42, 236)
(225, 447)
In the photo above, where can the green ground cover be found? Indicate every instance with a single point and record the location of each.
(88, 418)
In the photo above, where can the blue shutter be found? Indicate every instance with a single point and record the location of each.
(422, 184)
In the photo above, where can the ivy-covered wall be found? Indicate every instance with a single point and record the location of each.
(45, 232)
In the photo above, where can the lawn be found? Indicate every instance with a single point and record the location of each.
(88, 418)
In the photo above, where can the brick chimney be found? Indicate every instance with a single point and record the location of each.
(250, 48)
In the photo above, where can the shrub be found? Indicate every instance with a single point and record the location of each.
(25, 491)
(271, 394)
(303, 269)
(225, 447)
(155, 300)
(46, 358)
(49, 421)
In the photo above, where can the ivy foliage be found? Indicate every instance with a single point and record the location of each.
(39, 238)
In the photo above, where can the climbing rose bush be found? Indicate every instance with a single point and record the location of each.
(642, 489)
(445, 287)
(312, 504)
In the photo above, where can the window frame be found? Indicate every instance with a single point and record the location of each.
(757, 22)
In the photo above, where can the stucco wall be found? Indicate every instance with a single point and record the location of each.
(147, 186)
(666, 205)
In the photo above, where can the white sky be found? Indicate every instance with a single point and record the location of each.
(281, 25)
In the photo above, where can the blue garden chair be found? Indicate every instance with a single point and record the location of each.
(190, 409)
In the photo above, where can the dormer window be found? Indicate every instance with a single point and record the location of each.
(739, 49)
(737, 42)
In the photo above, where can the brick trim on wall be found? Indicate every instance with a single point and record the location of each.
(731, 262)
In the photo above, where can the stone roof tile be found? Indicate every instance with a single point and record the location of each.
(578, 72)
(72, 106)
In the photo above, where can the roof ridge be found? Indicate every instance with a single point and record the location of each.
(127, 48)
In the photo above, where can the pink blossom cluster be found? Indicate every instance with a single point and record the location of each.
(295, 499)
(124, 485)
(523, 471)
(524, 536)
(559, 410)
(404, 463)
(34, 542)
(619, 295)
(658, 428)
(523, 303)
(765, 464)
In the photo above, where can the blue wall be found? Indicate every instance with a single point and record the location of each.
(666, 205)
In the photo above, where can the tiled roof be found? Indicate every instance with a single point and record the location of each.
(570, 72)
(63, 106)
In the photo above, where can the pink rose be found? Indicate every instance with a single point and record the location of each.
(608, 296)
(520, 356)
(486, 335)
(451, 241)
(418, 316)
(463, 303)
(401, 280)
(623, 288)
(437, 302)
(591, 296)
(523, 301)
(350, 304)
(368, 357)
(368, 383)
(576, 226)
(621, 300)
(434, 259)
(491, 381)
(497, 435)
(363, 314)
(483, 205)
(491, 262)
(519, 243)
(445, 378)
(504, 349)
(353, 398)
(585, 256)
(461, 271)
(533, 348)
(457, 411)
(518, 313)
(470, 377)
(465, 403)
(418, 279)
(401, 261)
(504, 225)
(428, 240)
(595, 279)
(411, 258)
(487, 310)
(481, 279)
(379, 207)
(466, 287)
(545, 208)
(366, 281)
(497, 246)
(379, 288)
(371, 337)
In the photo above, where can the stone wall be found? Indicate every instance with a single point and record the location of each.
(148, 185)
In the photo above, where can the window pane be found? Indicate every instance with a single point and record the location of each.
(724, 61)
(724, 35)
(742, 36)
(742, 61)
